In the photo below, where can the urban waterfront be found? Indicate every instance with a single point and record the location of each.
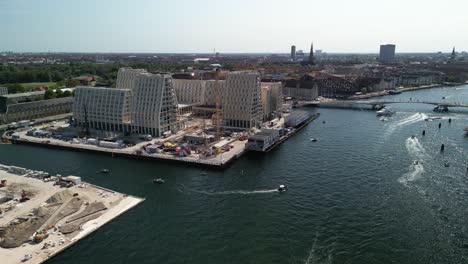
(354, 195)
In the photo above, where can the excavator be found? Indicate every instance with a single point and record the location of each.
(24, 197)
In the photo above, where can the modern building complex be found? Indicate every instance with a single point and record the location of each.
(242, 104)
(142, 103)
(387, 53)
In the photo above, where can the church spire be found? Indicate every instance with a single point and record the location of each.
(311, 55)
(453, 54)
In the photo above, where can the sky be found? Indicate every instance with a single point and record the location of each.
(232, 26)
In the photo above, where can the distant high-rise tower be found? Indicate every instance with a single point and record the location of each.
(454, 54)
(311, 54)
(387, 53)
(293, 53)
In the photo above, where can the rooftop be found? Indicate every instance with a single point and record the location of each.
(24, 94)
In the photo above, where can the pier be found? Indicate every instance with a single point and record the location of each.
(40, 219)
(378, 104)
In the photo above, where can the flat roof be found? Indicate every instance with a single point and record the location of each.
(23, 94)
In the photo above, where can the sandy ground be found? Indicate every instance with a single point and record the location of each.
(115, 202)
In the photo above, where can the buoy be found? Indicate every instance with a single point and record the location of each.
(442, 148)
(450, 120)
(440, 125)
(424, 132)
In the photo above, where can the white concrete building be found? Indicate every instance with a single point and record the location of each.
(103, 108)
(272, 99)
(242, 103)
(190, 91)
(142, 103)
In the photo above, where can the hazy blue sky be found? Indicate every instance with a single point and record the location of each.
(232, 25)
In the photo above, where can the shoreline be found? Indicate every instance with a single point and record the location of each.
(405, 89)
(115, 203)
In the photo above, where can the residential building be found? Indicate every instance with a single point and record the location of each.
(9, 99)
(387, 53)
(242, 104)
(103, 108)
(147, 104)
(272, 100)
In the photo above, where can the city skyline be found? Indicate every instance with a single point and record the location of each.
(202, 27)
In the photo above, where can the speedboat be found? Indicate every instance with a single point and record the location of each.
(385, 112)
(416, 162)
(314, 139)
(104, 171)
(282, 188)
(158, 181)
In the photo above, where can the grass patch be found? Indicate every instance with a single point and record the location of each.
(32, 86)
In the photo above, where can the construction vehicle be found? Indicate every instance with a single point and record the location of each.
(3, 183)
(24, 197)
(40, 235)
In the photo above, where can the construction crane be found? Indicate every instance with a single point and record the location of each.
(218, 116)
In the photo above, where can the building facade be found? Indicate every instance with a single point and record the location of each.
(3, 90)
(242, 102)
(387, 53)
(36, 109)
(103, 108)
(142, 103)
(272, 99)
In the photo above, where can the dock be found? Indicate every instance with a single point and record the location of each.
(297, 129)
(59, 216)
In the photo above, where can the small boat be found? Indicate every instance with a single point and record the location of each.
(314, 139)
(282, 188)
(158, 181)
(446, 165)
(416, 162)
(385, 112)
(413, 136)
(203, 173)
(104, 171)
(394, 92)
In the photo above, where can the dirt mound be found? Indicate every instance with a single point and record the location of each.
(91, 209)
(65, 210)
(74, 226)
(20, 230)
(60, 197)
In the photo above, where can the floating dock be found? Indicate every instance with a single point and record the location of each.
(52, 218)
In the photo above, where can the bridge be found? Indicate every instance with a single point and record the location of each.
(378, 104)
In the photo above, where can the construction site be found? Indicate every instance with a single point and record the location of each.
(41, 215)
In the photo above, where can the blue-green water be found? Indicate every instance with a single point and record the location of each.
(354, 196)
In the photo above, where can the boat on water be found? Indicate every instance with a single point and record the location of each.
(394, 92)
(203, 173)
(104, 171)
(314, 139)
(385, 112)
(416, 162)
(158, 181)
(282, 188)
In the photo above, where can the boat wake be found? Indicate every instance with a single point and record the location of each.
(417, 152)
(415, 173)
(314, 258)
(411, 119)
(233, 192)
(415, 148)
(404, 122)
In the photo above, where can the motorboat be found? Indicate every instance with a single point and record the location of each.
(413, 136)
(104, 171)
(385, 112)
(282, 188)
(416, 162)
(158, 181)
(446, 165)
(314, 139)
(203, 173)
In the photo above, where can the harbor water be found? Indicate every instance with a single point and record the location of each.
(355, 196)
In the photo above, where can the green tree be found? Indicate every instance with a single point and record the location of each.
(49, 94)
(15, 88)
(58, 93)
